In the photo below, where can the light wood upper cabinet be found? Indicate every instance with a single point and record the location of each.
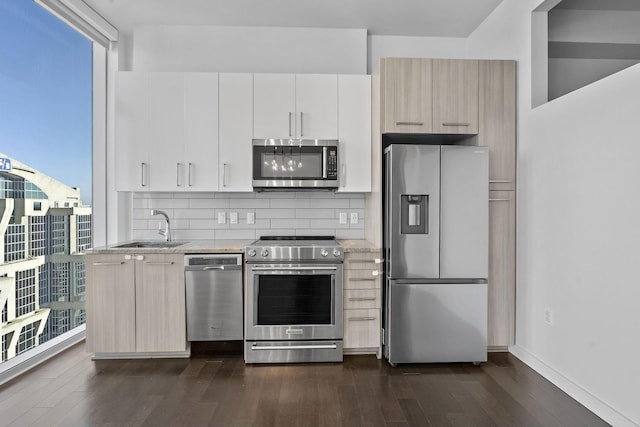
(236, 123)
(497, 127)
(406, 96)
(295, 106)
(135, 304)
(455, 96)
(502, 271)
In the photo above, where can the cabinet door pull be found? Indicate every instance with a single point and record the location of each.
(290, 114)
(363, 299)
(499, 200)
(159, 263)
(224, 174)
(178, 174)
(378, 260)
(361, 319)
(109, 263)
(457, 124)
(500, 181)
(409, 123)
(362, 279)
(301, 126)
(343, 175)
(190, 179)
(143, 174)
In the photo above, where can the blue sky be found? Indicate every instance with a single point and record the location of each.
(45, 94)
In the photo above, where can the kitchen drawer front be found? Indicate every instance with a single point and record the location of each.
(362, 328)
(362, 279)
(361, 298)
(363, 261)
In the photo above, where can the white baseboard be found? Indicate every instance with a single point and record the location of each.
(590, 401)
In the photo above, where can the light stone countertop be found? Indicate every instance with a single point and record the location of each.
(186, 247)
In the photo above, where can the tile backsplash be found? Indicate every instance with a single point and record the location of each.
(195, 216)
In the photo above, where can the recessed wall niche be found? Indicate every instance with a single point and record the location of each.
(578, 42)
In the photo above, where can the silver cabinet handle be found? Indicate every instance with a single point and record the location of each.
(109, 263)
(499, 200)
(178, 174)
(361, 319)
(143, 172)
(363, 299)
(457, 124)
(409, 123)
(301, 126)
(293, 347)
(290, 114)
(360, 279)
(218, 267)
(501, 181)
(343, 175)
(159, 263)
(190, 174)
(224, 174)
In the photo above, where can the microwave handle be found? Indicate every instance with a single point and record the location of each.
(324, 162)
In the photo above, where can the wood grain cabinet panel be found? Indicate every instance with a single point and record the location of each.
(362, 302)
(406, 95)
(455, 96)
(497, 127)
(502, 273)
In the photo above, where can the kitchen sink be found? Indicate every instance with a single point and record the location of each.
(149, 245)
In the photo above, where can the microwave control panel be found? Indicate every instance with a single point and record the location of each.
(332, 163)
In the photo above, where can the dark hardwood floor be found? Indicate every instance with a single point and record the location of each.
(73, 390)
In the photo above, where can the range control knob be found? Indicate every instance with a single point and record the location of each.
(336, 252)
(324, 252)
(265, 252)
(252, 252)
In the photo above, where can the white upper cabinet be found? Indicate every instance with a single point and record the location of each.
(354, 131)
(236, 119)
(200, 167)
(132, 132)
(295, 106)
(167, 131)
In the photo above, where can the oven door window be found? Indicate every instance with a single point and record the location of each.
(287, 162)
(295, 300)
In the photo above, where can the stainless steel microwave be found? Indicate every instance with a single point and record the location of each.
(289, 164)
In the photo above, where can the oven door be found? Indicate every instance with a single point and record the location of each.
(294, 302)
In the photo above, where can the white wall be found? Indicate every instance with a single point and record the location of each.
(249, 49)
(577, 226)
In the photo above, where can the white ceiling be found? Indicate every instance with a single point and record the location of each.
(444, 18)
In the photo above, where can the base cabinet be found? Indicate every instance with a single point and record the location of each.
(136, 305)
(362, 303)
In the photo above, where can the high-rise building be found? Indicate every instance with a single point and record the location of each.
(45, 230)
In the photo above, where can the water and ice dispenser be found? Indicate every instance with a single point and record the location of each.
(414, 214)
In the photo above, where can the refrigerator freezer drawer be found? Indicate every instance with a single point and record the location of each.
(436, 323)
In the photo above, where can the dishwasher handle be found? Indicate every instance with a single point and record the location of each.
(212, 268)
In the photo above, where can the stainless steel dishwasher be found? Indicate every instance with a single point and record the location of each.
(214, 297)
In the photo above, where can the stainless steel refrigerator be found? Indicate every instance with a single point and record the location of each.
(436, 213)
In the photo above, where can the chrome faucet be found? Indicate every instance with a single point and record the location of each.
(167, 228)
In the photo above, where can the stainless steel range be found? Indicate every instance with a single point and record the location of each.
(293, 300)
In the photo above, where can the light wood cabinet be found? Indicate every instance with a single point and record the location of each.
(406, 95)
(362, 282)
(438, 96)
(502, 274)
(136, 304)
(295, 106)
(455, 96)
(235, 126)
(497, 127)
(354, 132)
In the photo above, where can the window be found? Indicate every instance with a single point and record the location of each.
(37, 206)
(6, 339)
(57, 234)
(14, 247)
(37, 236)
(28, 337)
(25, 292)
(84, 232)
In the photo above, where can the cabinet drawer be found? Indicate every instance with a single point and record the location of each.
(362, 328)
(362, 279)
(361, 298)
(362, 260)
